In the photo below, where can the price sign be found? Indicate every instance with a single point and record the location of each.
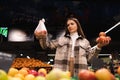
(6, 60)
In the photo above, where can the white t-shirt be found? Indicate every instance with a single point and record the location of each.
(74, 36)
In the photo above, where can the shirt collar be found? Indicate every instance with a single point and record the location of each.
(79, 36)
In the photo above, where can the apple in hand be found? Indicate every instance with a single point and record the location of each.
(101, 39)
(102, 34)
(86, 75)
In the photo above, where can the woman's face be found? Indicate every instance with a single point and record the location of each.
(72, 26)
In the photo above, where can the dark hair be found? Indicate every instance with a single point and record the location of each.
(79, 29)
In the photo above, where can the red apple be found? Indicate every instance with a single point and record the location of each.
(42, 72)
(104, 74)
(33, 72)
(86, 75)
(101, 39)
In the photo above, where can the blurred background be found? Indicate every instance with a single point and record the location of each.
(19, 18)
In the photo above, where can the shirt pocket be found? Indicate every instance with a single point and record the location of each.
(82, 50)
(62, 51)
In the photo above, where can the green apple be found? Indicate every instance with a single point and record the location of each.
(40, 78)
(65, 74)
(57, 74)
(54, 74)
(3, 75)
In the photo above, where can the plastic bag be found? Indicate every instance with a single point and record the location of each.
(41, 26)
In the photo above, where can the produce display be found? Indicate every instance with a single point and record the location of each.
(34, 69)
(30, 63)
(57, 74)
(31, 74)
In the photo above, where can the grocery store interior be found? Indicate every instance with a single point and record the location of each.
(19, 19)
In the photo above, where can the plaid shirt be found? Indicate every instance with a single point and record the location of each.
(63, 45)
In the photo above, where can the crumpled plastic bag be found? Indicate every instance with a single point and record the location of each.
(41, 26)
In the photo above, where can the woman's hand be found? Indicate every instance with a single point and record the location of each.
(40, 34)
(103, 40)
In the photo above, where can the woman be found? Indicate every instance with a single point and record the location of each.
(73, 50)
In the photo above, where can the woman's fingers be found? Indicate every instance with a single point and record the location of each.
(103, 40)
(40, 34)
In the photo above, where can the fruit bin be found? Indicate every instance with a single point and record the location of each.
(30, 63)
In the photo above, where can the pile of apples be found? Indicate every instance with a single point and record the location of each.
(30, 74)
(100, 74)
(23, 74)
(56, 74)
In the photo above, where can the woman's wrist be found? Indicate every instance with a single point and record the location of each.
(99, 45)
(40, 37)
